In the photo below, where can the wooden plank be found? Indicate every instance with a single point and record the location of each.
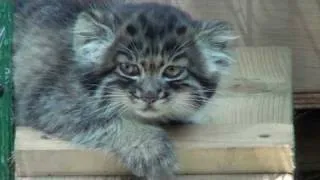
(306, 50)
(250, 132)
(262, 148)
(307, 100)
(305, 23)
(190, 177)
(260, 84)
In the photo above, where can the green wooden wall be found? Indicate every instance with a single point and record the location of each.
(6, 100)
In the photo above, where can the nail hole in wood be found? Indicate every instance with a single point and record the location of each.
(264, 135)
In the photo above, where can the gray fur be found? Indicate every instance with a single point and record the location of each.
(72, 81)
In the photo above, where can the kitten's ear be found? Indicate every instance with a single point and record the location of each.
(91, 26)
(213, 38)
(216, 34)
(93, 34)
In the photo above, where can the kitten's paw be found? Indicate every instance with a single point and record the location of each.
(153, 159)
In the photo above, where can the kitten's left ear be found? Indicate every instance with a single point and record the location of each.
(213, 38)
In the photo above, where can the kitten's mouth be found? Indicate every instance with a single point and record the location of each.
(149, 108)
(148, 112)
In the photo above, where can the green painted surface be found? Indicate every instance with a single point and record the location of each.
(6, 124)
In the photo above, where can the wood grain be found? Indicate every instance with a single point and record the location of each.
(305, 24)
(307, 100)
(257, 90)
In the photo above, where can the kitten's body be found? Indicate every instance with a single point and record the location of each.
(101, 76)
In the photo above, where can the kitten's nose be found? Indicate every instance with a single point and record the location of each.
(150, 96)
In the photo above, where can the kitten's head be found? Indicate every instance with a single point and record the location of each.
(151, 60)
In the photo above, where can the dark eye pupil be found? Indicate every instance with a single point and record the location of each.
(172, 70)
(129, 69)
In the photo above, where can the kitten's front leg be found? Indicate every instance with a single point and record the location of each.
(143, 149)
(146, 150)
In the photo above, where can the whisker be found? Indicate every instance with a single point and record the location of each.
(185, 105)
(122, 110)
(184, 44)
(177, 49)
(113, 95)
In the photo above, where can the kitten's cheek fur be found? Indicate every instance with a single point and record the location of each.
(180, 104)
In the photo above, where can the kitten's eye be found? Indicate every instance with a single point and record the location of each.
(129, 69)
(172, 72)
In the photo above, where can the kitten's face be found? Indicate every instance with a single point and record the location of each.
(155, 66)
(158, 84)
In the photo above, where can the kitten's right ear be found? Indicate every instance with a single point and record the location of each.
(93, 34)
(91, 26)
(213, 38)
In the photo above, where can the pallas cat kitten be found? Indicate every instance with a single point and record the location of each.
(103, 74)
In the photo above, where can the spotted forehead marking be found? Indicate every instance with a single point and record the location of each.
(156, 31)
(155, 35)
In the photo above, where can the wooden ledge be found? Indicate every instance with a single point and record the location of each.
(264, 148)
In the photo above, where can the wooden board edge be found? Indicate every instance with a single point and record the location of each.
(278, 159)
(306, 100)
